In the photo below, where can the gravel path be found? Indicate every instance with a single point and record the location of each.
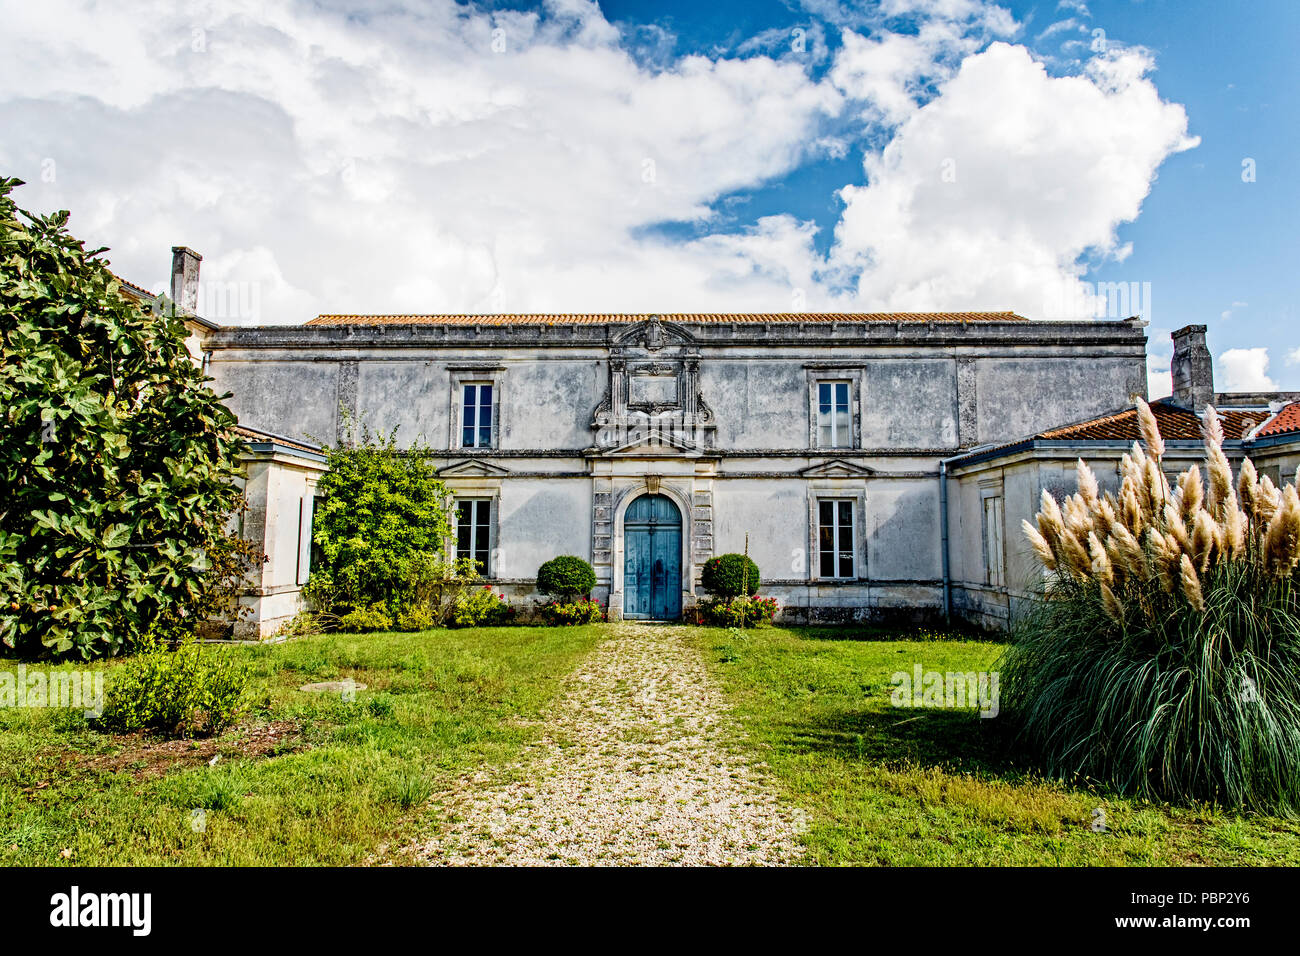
(633, 769)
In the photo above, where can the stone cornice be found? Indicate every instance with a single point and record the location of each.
(947, 334)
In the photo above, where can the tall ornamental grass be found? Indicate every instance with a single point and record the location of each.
(1163, 657)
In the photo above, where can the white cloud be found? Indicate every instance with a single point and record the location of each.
(1246, 370)
(1159, 375)
(1227, 313)
(1069, 24)
(1293, 357)
(992, 191)
(395, 161)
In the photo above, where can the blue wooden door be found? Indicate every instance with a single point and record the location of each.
(652, 559)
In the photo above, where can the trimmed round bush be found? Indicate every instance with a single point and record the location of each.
(730, 575)
(566, 575)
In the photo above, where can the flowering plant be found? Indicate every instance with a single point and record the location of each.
(581, 611)
(738, 611)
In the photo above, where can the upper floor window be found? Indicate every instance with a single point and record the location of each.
(834, 414)
(478, 418)
(835, 538)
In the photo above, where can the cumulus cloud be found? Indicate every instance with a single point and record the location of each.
(1246, 370)
(436, 156)
(1160, 383)
(992, 191)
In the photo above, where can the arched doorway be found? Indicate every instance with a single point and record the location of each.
(652, 559)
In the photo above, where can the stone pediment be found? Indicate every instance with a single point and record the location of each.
(665, 444)
(472, 468)
(652, 335)
(836, 468)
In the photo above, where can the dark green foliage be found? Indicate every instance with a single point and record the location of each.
(381, 525)
(116, 462)
(730, 575)
(1171, 703)
(566, 576)
(195, 690)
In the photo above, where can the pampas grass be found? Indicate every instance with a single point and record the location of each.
(1162, 604)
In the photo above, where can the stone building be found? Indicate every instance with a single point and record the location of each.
(875, 465)
(650, 443)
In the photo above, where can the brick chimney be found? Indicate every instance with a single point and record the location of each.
(1193, 370)
(185, 278)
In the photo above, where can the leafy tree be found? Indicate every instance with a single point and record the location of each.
(117, 462)
(382, 522)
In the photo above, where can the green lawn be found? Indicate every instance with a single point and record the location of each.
(311, 779)
(883, 785)
(315, 779)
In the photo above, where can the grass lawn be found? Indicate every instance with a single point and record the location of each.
(883, 785)
(309, 778)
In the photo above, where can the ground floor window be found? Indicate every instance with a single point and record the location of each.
(994, 567)
(835, 538)
(474, 532)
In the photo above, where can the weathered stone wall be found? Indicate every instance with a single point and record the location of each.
(923, 392)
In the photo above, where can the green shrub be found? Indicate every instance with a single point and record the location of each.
(416, 618)
(382, 520)
(194, 690)
(480, 607)
(363, 619)
(581, 611)
(730, 575)
(737, 611)
(566, 577)
(1163, 656)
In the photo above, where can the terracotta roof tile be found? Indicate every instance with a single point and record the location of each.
(1287, 420)
(1175, 423)
(603, 318)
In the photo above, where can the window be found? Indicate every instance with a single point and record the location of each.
(834, 415)
(477, 415)
(474, 532)
(994, 567)
(306, 507)
(835, 537)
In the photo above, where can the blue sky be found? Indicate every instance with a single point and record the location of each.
(638, 156)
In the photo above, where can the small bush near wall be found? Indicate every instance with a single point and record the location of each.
(730, 575)
(481, 607)
(566, 577)
(417, 618)
(737, 611)
(372, 618)
(582, 611)
(196, 690)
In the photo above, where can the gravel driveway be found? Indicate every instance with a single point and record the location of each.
(633, 769)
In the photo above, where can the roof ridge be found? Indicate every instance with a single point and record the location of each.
(542, 318)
